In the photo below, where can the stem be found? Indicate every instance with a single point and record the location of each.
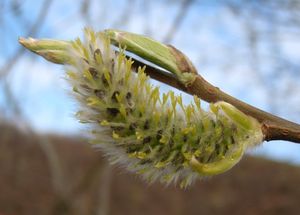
(273, 127)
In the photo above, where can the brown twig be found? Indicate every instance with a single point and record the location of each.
(273, 127)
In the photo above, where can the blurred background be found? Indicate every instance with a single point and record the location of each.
(248, 48)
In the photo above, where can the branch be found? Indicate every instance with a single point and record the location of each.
(181, 75)
(273, 127)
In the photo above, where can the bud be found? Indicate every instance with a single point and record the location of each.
(165, 56)
(55, 51)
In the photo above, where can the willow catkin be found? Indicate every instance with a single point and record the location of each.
(154, 135)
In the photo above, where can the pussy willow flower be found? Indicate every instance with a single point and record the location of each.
(154, 135)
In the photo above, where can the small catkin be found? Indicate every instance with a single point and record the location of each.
(154, 135)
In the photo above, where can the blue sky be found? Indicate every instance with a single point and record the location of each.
(43, 93)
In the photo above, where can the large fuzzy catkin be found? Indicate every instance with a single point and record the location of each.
(154, 135)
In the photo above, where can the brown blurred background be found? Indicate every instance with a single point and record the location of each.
(250, 49)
